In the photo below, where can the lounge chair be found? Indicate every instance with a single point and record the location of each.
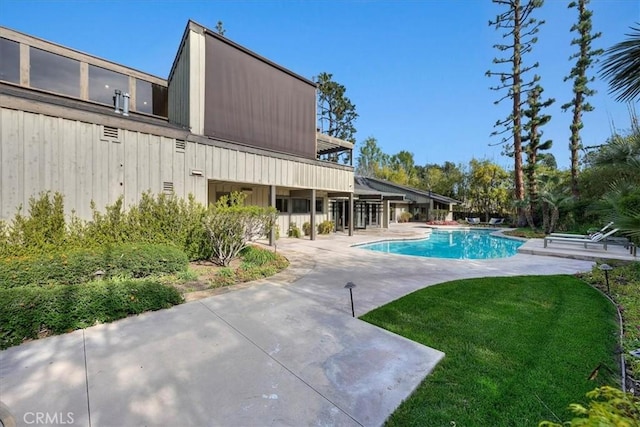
(581, 236)
(597, 238)
(496, 221)
(473, 221)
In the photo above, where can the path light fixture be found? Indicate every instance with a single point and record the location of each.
(350, 286)
(606, 268)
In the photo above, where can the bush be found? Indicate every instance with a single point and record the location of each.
(256, 264)
(294, 231)
(80, 266)
(325, 227)
(231, 226)
(30, 312)
(608, 407)
(257, 256)
(404, 217)
(306, 228)
(163, 219)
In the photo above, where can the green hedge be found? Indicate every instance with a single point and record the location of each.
(30, 312)
(79, 266)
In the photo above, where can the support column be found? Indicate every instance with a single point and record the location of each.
(272, 203)
(386, 213)
(351, 214)
(313, 214)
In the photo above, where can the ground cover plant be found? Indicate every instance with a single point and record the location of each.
(30, 312)
(518, 350)
(624, 289)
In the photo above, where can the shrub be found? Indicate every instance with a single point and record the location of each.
(608, 407)
(163, 219)
(31, 312)
(325, 227)
(294, 231)
(404, 217)
(79, 266)
(231, 226)
(42, 229)
(257, 256)
(256, 264)
(306, 228)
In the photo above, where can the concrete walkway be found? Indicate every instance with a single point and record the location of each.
(284, 351)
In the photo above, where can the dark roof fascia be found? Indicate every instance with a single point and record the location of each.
(37, 96)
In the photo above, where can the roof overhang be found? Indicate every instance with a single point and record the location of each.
(328, 144)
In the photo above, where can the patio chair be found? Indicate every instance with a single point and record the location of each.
(473, 221)
(496, 221)
(595, 239)
(582, 236)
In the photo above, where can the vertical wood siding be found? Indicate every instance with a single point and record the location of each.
(44, 153)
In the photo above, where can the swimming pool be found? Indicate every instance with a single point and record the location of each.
(457, 244)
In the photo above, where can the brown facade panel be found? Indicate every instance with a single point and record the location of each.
(251, 101)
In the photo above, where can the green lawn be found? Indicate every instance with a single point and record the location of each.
(518, 349)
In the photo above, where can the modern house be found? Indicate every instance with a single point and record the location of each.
(392, 199)
(225, 119)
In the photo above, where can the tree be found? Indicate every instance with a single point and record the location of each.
(585, 58)
(336, 112)
(621, 67)
(619, 160)
(488, 189)
(231, 226)
(220, 28)
(533, 138)
(520, 29)
(370, 158)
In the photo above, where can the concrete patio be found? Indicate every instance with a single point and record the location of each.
(282, 351)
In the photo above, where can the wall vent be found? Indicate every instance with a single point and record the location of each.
(110, 134)
(167, 187)
(180, 145)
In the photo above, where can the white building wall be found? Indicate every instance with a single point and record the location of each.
(41, 152)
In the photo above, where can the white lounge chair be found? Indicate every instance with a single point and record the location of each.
(473, 220)
(581, 236)
(597, 238)
(496, 221)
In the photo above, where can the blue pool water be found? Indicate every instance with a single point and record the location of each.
(457, 244)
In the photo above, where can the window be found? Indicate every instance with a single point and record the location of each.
(301, 205)
(54, 73)
(151, 98)
(10, 64)
(319, 206)
(282, 205)
(103, 83)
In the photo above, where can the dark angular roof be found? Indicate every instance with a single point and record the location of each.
(374, 183)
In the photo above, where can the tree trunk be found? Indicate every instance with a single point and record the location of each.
(517, 119)
(575, 144)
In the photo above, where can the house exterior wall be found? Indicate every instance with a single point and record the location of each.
(252, 101)
(48, 152)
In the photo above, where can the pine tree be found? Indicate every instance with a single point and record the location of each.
(520, 29)
(336, 113)
(585, 59)
(535, 121)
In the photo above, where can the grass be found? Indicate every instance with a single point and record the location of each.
(526, 233)
(518, 350)
(624, 284)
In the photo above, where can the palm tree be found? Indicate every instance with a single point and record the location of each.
(622, 156)
(621, 67)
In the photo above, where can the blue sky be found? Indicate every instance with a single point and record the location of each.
(414, 68)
